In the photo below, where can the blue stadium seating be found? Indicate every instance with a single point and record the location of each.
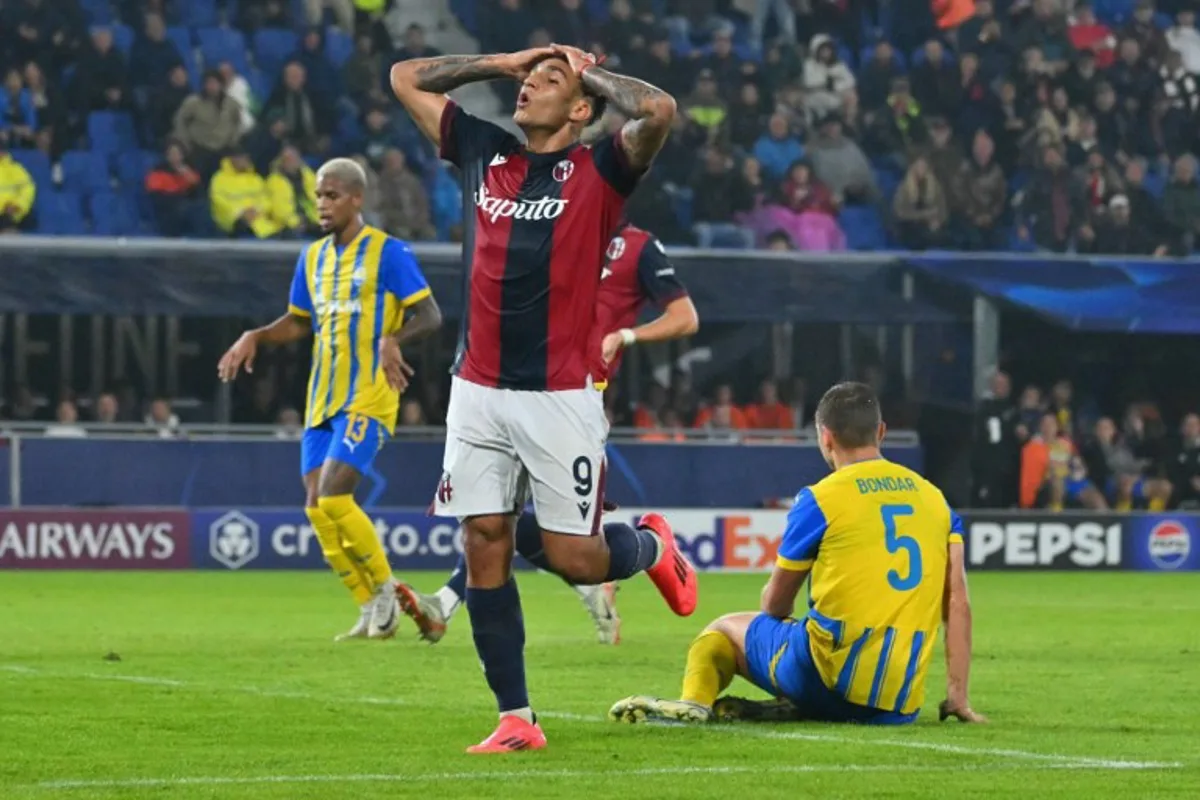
(132, 167)
(60, 213)
(111, 132)
(181, 37)
(122, 37)
(111, 215)
(84, 172)
(98, 12)
(222, 44)
(37, 164)
(199, 13)
(863, 227)
(339, 46)
(272, 47)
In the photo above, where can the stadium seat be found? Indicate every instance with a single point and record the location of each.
(1155, 183)
(37, 164)
(199, 13)
(60, 213)
(339, 46)
(898, 60)
(863, 228)
(918, 56)
(132, 167)
(111, 132)
(84, 172)
(222, 44)
(98, 12)
(272, 47)
(111, 215)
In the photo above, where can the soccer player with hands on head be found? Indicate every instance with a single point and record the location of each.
(885, 553)
(351, 291)
(525, 417)
(636, 274)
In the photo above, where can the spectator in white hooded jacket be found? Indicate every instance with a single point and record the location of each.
(829, 85)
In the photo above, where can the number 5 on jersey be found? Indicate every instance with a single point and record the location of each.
(896, 542)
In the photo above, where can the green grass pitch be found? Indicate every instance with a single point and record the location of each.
(229, 686)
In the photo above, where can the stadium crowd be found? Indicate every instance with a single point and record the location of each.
(807, 124)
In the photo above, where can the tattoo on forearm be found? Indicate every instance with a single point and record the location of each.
(631, 97)
(645, 105)
(447, 73)
(425, 319)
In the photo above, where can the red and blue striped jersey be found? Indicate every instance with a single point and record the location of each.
(536, 227)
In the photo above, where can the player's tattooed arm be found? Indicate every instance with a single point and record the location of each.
(650, 111)
(421, 84)
(424, 318)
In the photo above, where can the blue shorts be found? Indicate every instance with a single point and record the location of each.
(779, 662)
(1073, 488)
(1137, 493)
(350, 438)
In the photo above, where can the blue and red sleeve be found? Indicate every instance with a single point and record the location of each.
(656, 274)
(465, 137)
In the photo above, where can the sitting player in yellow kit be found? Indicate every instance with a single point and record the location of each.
(886, 556)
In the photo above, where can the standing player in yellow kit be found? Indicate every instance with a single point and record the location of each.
(351, 291)
(886, 557)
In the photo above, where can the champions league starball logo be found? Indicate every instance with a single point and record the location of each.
(1169, 544)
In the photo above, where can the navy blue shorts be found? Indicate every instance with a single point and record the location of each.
(780, 663)
(350, 438)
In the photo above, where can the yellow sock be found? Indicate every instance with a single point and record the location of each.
(711, 664)
(359, 539)
(1158, 504)
(1123, 505)
(1056, 506)
(338, 559)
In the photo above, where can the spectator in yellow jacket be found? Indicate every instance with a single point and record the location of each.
(16, 194)
(292, 187)
(241, 205)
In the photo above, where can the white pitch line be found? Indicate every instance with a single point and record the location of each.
(1059, 759)
(778, 769)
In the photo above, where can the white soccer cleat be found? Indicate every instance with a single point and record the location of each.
(359, 631)
(385, 613)
(653, 709)
(601, 603)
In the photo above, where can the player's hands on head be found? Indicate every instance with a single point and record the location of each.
(241, 355)
(612, 344)
(522, 62)
(959, 709)
(395, 368)
(578, 59)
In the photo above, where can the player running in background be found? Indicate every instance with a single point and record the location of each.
(886, 556)
(351, 290)
(636, 274)
(524, 414)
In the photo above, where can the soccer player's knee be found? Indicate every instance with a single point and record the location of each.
(336, 506)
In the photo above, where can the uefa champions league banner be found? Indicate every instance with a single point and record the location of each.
(721, 540)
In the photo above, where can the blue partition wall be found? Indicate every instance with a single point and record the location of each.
(70, 472)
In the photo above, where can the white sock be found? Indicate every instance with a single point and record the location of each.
(658, 549)
(586, 593)
(525, 713)
(449, 601)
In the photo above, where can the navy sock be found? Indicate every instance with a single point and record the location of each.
(458, 579)
(499, 631)
(529, 542)
(631, 550)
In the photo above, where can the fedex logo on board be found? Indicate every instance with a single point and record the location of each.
(737, 540)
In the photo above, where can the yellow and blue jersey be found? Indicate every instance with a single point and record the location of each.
(354, 295)
(876, 537)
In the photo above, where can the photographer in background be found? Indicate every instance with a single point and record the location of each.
(996, 454)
